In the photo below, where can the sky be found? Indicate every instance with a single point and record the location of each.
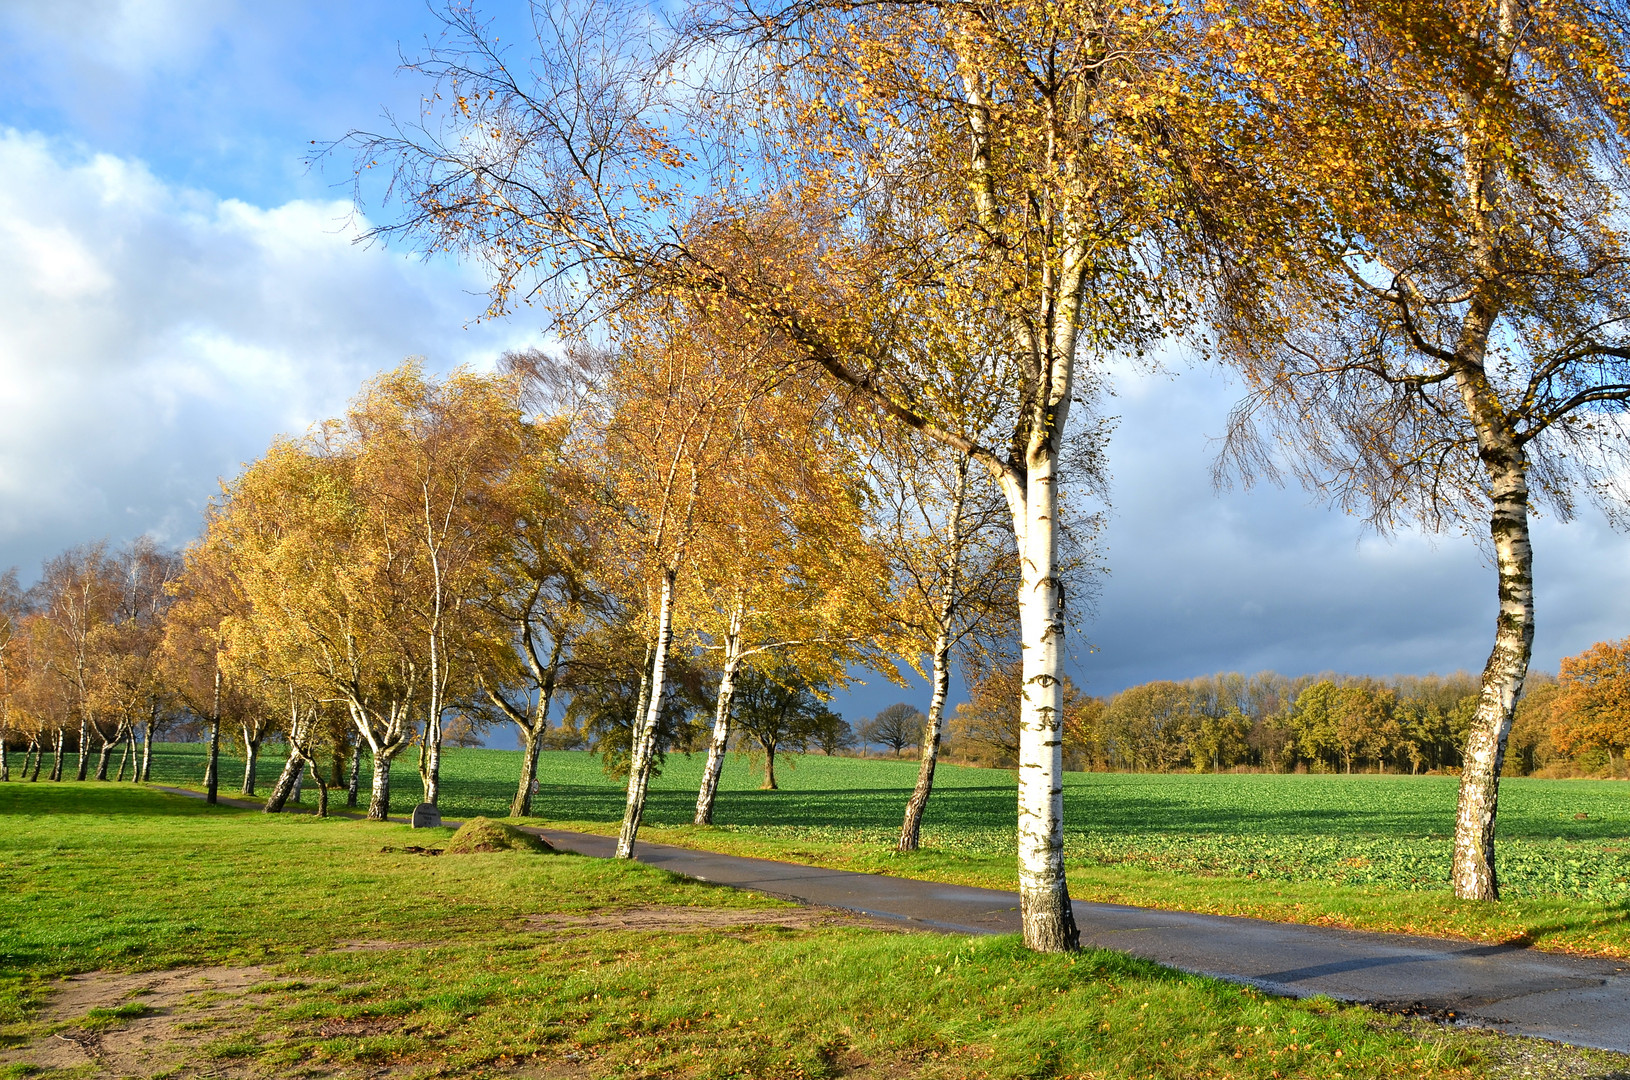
(178, 286)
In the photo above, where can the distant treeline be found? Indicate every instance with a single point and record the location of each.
(1315, 723)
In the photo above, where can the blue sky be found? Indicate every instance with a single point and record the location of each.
(177, 286)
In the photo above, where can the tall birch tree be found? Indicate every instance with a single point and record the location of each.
(549, 593)
(1434, 320)
(789, 576)
(430, 458)
(949, 542)
(680, 400)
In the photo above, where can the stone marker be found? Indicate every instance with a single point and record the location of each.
(426, 816)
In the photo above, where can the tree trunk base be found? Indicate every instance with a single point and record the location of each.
(1049, 924)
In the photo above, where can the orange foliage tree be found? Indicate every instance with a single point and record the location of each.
(1591, 709)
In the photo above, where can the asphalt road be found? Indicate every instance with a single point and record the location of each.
(1578, 1000)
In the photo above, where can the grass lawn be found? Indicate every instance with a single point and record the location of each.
(1363, 851)
(377, 963)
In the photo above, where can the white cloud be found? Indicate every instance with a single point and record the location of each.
(152, 338)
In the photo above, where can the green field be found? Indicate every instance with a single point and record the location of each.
(1559, 838)
(372, 962)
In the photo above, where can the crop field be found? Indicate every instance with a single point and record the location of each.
(1558, 838)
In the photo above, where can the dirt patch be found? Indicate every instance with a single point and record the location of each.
(411, 849)
(183, 1010)
(362, 946)
(701, 918)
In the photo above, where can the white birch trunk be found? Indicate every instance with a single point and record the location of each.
(251, 760)
(1044, 899)
(432, 769)
(534, 727)
(355, 778)
(911, 828)
(720, 742)
(1473, 870)
(644, 734)
(287, 781)
(379, 800)
(147, 747)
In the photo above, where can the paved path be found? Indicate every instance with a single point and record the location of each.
(1521, 991)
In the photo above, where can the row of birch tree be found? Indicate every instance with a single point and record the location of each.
(591, 546)
(1400, 224)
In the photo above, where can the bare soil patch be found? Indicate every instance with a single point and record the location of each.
(185, 1009)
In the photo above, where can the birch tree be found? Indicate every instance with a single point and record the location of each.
(198, 663)
(1434, 321)
(125, 685)
(429, 460)
(74, 596)
(549, 592)
(789, 576)
(949, 542)
(44, 701)
(680, 400)
(871, 182)
(325, 596)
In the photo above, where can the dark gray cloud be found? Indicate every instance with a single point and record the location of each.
(1203, 581)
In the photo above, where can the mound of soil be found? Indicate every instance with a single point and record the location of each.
(484, 834)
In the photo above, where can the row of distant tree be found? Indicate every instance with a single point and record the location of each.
(1575, 724)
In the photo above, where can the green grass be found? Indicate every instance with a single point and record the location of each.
(101, 875)
(1366, 851)
(96, 876)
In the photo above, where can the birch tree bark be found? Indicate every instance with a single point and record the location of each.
(355, 779)
(286, 781)
(251, 756)
(146, 775)
(84, 747)
(911, 828)
(719, 741)
(639, 769)
(212, 772)
(1473, 871)
(104, 757)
